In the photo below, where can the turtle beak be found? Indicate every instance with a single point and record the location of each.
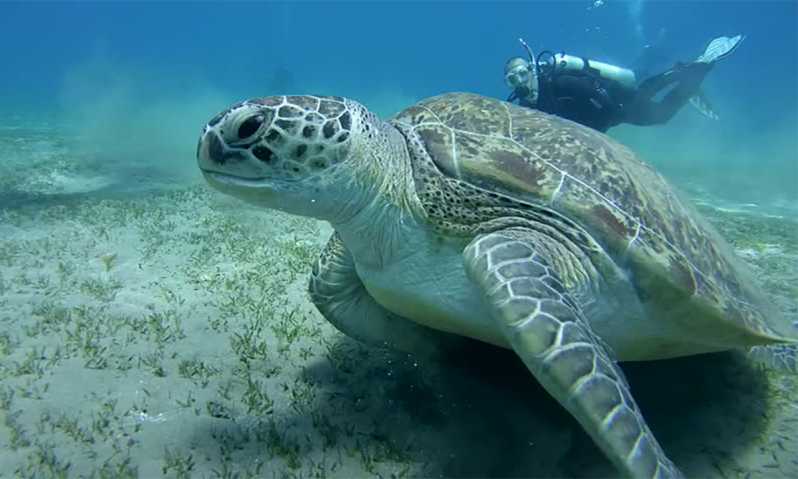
(214, 156)
(210, 151)
(203, 150)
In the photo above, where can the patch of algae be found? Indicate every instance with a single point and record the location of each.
(171, 335)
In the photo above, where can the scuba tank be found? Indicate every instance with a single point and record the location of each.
(622, 76)
(547, 63)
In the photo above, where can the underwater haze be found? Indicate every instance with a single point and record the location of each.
(151, 327)
(140, 79)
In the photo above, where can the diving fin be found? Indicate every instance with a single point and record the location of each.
(700, 103)
(720, 48)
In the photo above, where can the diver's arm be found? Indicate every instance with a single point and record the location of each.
(602, 99)
(585, 90)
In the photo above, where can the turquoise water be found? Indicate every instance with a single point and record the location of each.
(151, 327)
(139, 80)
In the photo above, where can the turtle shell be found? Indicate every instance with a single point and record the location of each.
(670, 253)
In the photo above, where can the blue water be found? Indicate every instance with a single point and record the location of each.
(112, 69)
(421, 48)
(99, 97)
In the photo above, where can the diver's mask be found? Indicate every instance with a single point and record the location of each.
(517, 73)
(522, 76)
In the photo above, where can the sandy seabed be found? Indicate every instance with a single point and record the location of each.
(166, 332)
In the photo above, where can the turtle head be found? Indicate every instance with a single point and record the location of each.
(298, 154)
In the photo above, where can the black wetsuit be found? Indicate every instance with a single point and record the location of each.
(587, 98)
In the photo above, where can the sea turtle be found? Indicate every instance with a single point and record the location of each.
(468, 215)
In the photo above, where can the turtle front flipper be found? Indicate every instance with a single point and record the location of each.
(546, 328)
(341, 298)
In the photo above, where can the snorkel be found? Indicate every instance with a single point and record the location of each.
(534, 84)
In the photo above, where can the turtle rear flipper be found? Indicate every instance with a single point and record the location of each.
(781, 357)
(545, 326)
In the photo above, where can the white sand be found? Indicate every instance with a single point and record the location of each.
(170, 333)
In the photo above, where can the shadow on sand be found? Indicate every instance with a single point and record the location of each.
(485, 416)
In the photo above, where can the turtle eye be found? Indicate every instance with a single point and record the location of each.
(250, 126)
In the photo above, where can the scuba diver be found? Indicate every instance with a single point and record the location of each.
(600, 95)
